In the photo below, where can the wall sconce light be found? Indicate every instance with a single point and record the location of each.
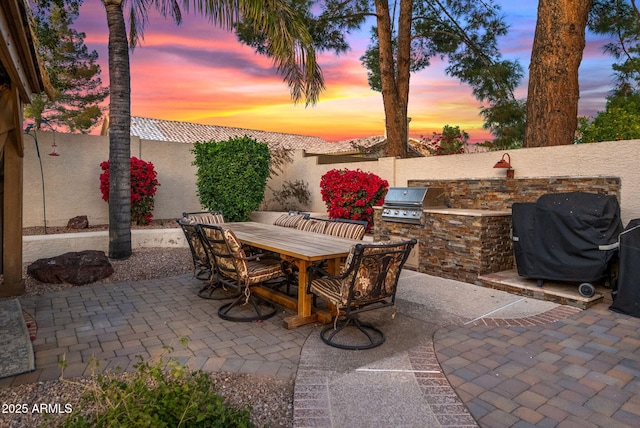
(505, 163)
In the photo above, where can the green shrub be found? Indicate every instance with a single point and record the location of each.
(232, 175)
(159, 395)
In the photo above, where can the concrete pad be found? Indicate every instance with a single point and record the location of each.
(402, 334)
(441, 297)
(374, 387)
(378, 399)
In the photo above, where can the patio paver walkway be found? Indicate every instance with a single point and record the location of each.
(456, 354)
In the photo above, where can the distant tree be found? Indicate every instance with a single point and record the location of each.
(406, 36)
(620, 20)
(506, 121)
(72, 69)
(450, 141)
(619, 121)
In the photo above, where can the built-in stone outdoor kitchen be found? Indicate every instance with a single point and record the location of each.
(472, 236)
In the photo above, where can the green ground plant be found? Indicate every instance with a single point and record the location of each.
(164, 394)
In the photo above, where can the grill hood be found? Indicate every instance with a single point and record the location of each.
(405, 204)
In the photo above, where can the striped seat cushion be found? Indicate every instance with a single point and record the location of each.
(330, 289)
(345, 230)
(288, 220)
(203, 218)
(312, 225)
(248, 271)
(263, 270)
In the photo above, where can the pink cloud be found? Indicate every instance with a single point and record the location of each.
(198, 72)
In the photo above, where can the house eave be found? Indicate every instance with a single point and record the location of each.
(17, 51)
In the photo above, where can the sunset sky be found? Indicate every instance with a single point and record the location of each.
(199, 73)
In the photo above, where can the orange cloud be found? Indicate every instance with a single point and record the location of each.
(200, 73)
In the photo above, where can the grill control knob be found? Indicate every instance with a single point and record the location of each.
(415, 214)
(404, 213)
(396, 212)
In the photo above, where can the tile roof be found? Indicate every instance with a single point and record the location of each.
(186, 132)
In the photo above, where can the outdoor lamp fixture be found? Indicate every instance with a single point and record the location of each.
(505, 163)
(54, 147)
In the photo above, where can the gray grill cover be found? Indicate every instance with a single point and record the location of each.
(626, 299)
(561, 236)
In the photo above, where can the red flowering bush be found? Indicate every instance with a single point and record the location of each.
(352, 194)
(451, 141)
(143, 188)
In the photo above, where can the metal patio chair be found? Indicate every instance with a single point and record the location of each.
(201, 265)
(368, 281)
(237, 270)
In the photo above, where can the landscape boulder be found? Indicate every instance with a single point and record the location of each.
(77, 268)
(79, 222)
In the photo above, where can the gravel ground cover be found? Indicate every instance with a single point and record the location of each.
(271, 399)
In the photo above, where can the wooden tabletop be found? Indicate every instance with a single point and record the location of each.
(292, 242)
(301, 247)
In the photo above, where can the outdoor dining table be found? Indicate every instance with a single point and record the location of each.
(302, 248)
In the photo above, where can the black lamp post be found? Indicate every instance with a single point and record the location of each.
(27, 131)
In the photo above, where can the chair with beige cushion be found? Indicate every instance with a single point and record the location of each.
(368, 281)
(201, 262)
(235, 269)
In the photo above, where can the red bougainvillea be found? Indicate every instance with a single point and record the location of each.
(352, 194)
(143, 187)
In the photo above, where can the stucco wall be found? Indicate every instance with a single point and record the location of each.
(617, 158)
(72, 183)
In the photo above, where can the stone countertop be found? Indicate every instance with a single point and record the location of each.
(468, 212)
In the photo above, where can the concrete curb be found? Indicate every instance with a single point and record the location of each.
(39, 246)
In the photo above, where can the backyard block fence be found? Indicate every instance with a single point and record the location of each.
(71, 180)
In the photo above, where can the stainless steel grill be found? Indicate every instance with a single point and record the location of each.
(405, 204)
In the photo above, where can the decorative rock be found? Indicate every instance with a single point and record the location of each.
(75, 268)
(79, 222)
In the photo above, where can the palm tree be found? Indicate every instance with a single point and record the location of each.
(288, 43)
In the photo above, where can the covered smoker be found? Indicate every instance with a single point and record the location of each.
(626, 296)
(567, 237)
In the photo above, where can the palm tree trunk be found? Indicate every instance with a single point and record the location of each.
(119, 134)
